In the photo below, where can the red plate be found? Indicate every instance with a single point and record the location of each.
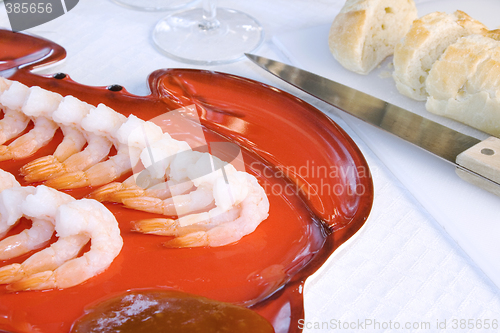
(317, 181)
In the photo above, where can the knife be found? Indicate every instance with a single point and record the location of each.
(476, 161)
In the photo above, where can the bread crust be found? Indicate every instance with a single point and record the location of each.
(493, 34)
(365, 31)
(464, 84)
(426, 40)
(346, 39)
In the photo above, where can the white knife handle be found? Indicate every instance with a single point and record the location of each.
(483, 159)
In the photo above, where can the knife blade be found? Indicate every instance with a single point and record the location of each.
(476, 161)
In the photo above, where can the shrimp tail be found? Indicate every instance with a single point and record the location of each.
(109, 192)
(117, 192)
(38, 281)
(5, 153)
(99, 174)
(126, 193)
(10, 273)
(19, 151)
(149, 204)
(194, 239)
(41, 169)
(16, 153)
(70, 180)
(159, 226)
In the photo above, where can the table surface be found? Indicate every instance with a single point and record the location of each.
(409, 265)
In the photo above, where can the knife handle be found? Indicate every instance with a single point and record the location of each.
(482, 159)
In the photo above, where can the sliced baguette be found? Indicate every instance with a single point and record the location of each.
(424, 43)
(464, 84)
(365, 31)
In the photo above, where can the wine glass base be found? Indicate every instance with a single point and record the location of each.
(183, 37)
(155, 5)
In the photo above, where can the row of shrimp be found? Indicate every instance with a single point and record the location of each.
(205, 201)
(213, 208)
(75, 222)
(81, 159)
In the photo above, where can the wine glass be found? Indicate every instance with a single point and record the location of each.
(155, 5)
(207, 35)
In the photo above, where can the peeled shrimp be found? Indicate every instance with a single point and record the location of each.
(132, 137)
(209, 198)
(7, 180)
(14, 194)
(216, 206)
(40, 207)
(58, 266)
(38, 106)
(12, 97)
(117, 192)
(100, 126)
(224, 206)
(156, 157)
(195, 167)
(10, 209)
(216, 227)
(68, 115)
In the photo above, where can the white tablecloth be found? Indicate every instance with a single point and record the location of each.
(403, 268)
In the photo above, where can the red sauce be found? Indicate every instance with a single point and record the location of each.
(279, 135)
(169, 311)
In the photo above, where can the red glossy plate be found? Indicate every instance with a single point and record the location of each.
(317, 181)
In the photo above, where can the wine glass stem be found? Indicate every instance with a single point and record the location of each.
(209, 21)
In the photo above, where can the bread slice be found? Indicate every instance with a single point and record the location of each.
(365, 31)
(494, 34)
(464, 84)
(424, 43)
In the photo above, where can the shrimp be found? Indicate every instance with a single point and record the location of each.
(195, 169)
(218, 204)
(14, 196)
(100, 126)
(40, 207)
(156, 157)
(12, 97)
(39, 106)
(208, 201)
(68, 115)
(7, 180)
(184, 167)
(235, 201)
(132, 137)
(58, 266)
(219, 226)
(10, 206)
(117, 192)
